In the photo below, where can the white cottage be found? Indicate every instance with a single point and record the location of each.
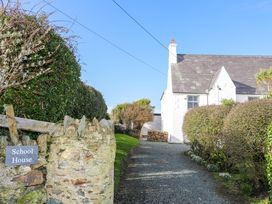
(198, 80)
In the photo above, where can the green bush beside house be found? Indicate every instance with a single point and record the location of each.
(268, 157)
(245, 133)
(234, 138)
(203, 127)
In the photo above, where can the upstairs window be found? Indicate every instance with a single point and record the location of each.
(193, 101)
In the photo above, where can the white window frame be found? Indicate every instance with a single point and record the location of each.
(192, 101)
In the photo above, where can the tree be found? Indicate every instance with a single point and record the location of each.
(135, 114)
(23, 55)
(116, 113)
(265, 77)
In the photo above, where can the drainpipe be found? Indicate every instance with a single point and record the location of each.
(207, 93)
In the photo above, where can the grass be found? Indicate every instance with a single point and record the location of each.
(124, 143)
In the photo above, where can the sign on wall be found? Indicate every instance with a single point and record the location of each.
(21, 155)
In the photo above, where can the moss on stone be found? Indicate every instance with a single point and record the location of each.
(33, 197)
(9, 195)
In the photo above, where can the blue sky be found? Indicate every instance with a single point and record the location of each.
(199, 27)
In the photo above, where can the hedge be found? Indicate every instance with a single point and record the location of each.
(245, 133)
(48, 97)
(58, 93)
(203, 127)
(89, 102)
(269, 159)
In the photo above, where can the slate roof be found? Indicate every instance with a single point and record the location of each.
(195, 73)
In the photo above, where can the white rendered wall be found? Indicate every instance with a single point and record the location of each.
(166, 111)
(167, 101)
(223, 88)
(179, 109)
(241, 98)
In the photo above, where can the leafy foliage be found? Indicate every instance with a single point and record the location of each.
(23, 54)
(39, 73)
(116, 113)
(49, 97)
(90, 103)
(228, 102)
(265, 77)
(245, 133)
(135, 114)
(203, 127)
(268, 157)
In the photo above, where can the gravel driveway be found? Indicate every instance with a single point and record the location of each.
(160, 173)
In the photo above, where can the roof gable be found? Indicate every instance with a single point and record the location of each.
(219, 74)
(195, 73)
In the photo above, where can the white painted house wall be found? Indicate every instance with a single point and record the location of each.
(175, 105)
(223, 88)
(241, 98)
(167, 104)
(179, 109)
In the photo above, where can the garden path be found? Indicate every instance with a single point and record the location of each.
(161, 173)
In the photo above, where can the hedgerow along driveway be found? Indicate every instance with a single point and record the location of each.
(161, 173)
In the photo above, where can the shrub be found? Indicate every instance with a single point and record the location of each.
(228, 102)
(203, 127)
(48, 97)
(133, 115)
(23, 55)
(269, 158)
(245, 131)
(116, 113)
(194, 125)
(89, 102)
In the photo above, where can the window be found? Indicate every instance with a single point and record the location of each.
(193, 101)
(252, 98)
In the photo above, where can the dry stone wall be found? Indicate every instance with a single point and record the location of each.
(75, 165)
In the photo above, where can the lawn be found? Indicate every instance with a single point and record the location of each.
(124, 144)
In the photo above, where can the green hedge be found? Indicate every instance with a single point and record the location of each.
(49, 97)
(58, 93)
(90, 103)
(203, 127)
(245, 133)
(269, 159)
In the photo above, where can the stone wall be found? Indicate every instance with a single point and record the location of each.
(76, 165)
(157, 136)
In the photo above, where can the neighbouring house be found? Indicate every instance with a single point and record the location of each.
(152, 125)
(198, 80)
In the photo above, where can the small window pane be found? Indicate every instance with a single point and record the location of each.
(195, 104)
(193, 101)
